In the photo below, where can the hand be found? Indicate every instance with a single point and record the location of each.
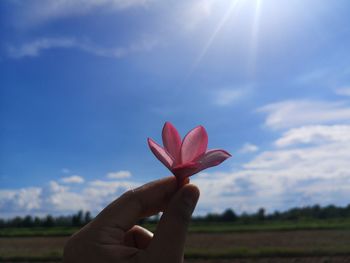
(113, 237)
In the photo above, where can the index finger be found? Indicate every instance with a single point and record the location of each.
(143, 201)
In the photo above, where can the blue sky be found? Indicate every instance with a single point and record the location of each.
(84, 83)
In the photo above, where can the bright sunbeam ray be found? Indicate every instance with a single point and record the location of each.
(254, 37)
(210, 41)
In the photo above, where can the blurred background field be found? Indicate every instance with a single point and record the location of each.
(289, 245)
(244, 238)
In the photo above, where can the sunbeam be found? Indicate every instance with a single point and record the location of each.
(210, 41)
(254, 37)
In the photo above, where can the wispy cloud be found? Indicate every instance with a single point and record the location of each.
(249, 148)
(36, 47)
(74, 179)
(294, 113)
(194, 13)
(229, 96)
(343, 91)
(34, 12)
(65, 170)
(119, 175)
(314, 134)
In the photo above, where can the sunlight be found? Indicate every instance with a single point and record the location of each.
(221, 23)
(255, 36)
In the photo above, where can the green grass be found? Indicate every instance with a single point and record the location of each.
(270, 226)
(37, 231)
(263, 252)
(208, 254)
(197, 228)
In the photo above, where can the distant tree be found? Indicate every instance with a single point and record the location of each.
(229, 216)
(212, 217)
(16, 222)
(87, 217)
(28, 221)
(48, 221)
(261, 214)
(2, 223)
(77, 220)
(37, 222)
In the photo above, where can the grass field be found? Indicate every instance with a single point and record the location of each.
(219, 243)
(339, 224)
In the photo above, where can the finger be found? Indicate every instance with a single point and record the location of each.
(146, 200)
(170, 236)
(138, 237)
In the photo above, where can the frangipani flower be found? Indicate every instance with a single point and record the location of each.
(189, 156)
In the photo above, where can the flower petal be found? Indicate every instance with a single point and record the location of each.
(185, 170)
(212, 158)
(194, 144)
(161, 154)
(171, 141)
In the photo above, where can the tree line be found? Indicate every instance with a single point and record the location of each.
(81, 218)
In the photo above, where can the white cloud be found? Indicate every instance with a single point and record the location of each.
(119, 175)
(315, 134)
(343, 91)
(194, 13)
(294, 113)
(225, 97)
(282, 178)
(249, 148)
(306, 164)
(23, 200)
(55, 198)
(36, 47)
(74, 179)
(34, 12)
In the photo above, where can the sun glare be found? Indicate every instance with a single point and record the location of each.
(229, 10)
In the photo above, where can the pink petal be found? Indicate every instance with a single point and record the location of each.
(160, 153)
(185, 170)
(194, 144)
(171, 141)
(212, 158)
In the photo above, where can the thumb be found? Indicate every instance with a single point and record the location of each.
(169, 239)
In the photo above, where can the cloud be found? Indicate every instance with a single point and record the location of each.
(55, 198)
(306, 164)
(282, 178)
(119, 175)
(34, 12)
(24, 200)
(292, 113)
(194, 13)
(36, 47)
(249, 148)
(226, 97)
(315, 134)
(343, 91)
(74, 179)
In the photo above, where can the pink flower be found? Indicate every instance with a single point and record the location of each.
(189, 156)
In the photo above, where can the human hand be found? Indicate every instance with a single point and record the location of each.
(113, 236)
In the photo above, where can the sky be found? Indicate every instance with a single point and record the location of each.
(84, 83)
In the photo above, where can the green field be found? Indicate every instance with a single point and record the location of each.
(207, 242)
(197, 228)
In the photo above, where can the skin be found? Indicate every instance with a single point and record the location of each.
(113, 235)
